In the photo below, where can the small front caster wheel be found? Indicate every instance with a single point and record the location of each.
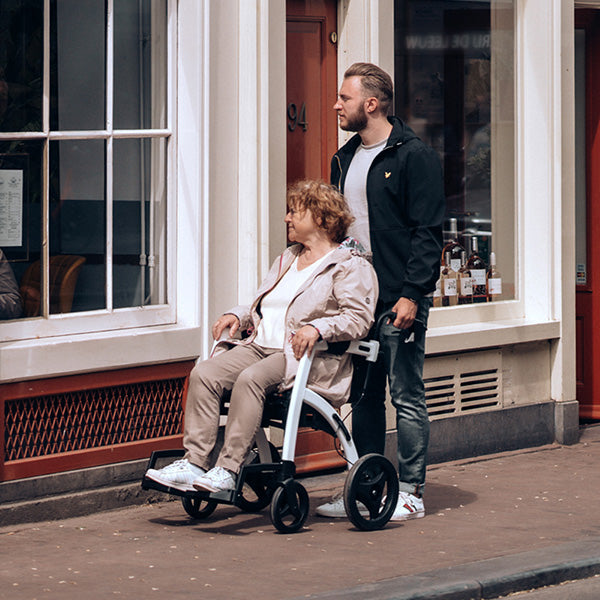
(258, 487)
(289, 507)
(198, 508)
(371, 492)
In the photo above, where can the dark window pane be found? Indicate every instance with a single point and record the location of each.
(139, 213)
(78, 216)
(21, 52)
(77, 65)
(450, 65)
(21, 240)
(140, 64)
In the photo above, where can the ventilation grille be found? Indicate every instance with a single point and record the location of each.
(87, 419)
(463, 383)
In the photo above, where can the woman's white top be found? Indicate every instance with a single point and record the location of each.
(274, 305)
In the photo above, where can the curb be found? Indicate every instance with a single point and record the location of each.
(76, 504)
(66, 504)
(485, 579)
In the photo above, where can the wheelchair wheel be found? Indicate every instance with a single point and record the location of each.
(198, 508)
(288, 514)
(258, 487)
(373, 482)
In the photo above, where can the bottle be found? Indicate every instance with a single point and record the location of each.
(453, 247)
(437, 293)
(465, 283)
(478, 269)
(449, 281)
(494, 280)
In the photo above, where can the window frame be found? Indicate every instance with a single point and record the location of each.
(108, 318)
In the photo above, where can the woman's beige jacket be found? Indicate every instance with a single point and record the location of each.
(338, 299)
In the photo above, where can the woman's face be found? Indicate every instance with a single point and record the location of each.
(300, 224)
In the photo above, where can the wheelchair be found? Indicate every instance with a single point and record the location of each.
(268, 478)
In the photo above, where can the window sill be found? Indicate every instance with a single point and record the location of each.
(103, 351)
(471, 336)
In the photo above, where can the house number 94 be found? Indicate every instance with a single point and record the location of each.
(297, 118)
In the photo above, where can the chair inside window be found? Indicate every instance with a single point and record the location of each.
(64, 271)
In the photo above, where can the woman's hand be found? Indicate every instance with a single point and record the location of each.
(223, 322)
(304, 340)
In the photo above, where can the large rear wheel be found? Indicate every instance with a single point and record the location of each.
(372, 484)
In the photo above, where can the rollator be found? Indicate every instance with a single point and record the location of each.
(268, 478)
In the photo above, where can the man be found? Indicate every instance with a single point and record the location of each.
(393, 183)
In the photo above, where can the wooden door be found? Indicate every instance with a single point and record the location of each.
(311, 59)
(311, 72)
(588, 210)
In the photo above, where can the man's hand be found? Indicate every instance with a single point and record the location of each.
(223, 322)
(304, 340)
(406, 311)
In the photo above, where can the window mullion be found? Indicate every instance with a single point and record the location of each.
(45, 233)
(109, 153)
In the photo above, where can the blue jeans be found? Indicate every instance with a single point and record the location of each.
(401, 363)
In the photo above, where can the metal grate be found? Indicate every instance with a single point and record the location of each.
(463, 383)
(81, 420)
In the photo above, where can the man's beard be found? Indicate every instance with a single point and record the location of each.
(357, 122)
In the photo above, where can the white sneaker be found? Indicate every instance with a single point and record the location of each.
(409, 507)
(217, 479)
(179, 475)
(337, 510)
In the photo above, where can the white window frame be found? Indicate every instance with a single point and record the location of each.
(131, 337)
(51, 325)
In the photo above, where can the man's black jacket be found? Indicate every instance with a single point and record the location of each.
(406, 212)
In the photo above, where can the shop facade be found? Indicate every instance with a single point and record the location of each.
(148, 139)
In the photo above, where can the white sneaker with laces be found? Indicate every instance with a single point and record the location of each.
(337, 510)
(179, 475)
(217, 479)
(409, 507)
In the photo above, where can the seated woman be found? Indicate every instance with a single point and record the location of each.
(319, 288)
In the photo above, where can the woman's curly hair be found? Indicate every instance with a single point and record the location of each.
(326, 203)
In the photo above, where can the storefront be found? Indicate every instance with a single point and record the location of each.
(145, 140)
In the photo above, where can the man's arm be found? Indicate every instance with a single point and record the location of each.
(426, 207)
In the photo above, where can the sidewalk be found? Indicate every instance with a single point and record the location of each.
(494, 525)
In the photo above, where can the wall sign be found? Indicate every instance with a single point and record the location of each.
(11, 207)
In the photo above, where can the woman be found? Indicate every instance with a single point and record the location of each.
(319, 288)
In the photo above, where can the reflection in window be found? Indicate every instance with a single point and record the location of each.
(94, 236)
(454, 87)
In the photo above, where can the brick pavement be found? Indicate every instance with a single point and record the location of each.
(490, 507)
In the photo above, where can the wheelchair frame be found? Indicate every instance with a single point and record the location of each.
(372, 480)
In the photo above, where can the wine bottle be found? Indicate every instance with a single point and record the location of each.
(453, 247)
(494, 280)
(437, 293)
(478, 269)
(449, 281)
(465, 283)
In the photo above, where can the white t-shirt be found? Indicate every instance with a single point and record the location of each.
(355, 191)
(274, 305)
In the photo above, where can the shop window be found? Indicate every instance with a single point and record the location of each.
(454, 74)
(85, 143)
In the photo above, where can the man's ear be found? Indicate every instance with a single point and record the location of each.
(371, 104)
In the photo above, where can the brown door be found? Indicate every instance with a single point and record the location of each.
(311, 57)
(587, 71)
(311, 88)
